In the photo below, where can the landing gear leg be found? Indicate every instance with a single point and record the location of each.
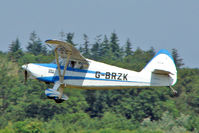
(56, 85)
(174, 91)
(58, 96)
(61, 90)
(54, 93)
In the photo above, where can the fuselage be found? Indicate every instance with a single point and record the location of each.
(97, 76)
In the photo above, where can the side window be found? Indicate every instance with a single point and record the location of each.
(80, 65)
(76, 64)
(71, 64)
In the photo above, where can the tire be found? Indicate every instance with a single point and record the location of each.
(58, 100)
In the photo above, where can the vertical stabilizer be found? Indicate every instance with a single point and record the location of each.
(162, 64)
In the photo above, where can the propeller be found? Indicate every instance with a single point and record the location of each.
(25, 66)
(25, 75)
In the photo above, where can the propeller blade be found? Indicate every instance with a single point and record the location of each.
(26, 76)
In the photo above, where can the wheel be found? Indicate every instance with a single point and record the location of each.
(58, 100)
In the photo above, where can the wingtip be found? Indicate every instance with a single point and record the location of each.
(53, 40)
(48, 40)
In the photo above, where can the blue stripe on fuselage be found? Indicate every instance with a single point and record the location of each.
(68, 68)
(53, 79)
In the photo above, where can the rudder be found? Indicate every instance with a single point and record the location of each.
(162, 64)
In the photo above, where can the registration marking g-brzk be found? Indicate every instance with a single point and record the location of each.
(111, 75)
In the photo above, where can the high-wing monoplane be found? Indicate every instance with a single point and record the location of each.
(72, 70)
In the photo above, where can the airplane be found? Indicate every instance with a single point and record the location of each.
(72, 70)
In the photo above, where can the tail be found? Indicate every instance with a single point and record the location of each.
(161, 65)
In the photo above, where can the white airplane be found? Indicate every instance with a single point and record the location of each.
(72, 70)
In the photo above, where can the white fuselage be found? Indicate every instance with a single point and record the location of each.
(98, 75)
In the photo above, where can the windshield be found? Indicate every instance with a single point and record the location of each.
(62, 61)
(72, 63)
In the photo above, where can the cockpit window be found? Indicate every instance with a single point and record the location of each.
(71, 63)
(81, 65)
(62, 61)
(75, 64)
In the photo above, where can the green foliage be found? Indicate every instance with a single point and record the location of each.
(178, 61)
(169, 124)
(35, 45)
(24, 108)
(28, 57)
(95, 50)
(69, 38)
(128, 48)
(114, 45)
(105, 49)
(15, 51)
(85, 49)
(28, 126)
(14, 46)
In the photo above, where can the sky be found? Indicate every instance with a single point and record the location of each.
(163, 24)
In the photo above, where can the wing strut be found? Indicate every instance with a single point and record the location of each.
(61, 76)
(69, 52)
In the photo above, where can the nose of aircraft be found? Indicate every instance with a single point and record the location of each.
(25, 67)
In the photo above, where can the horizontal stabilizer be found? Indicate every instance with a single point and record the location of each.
(162, 72)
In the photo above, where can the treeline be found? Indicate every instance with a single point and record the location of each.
(25, 108)
(100, 50)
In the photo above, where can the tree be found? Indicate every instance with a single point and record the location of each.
(81, 49)
(151, 52)
(15, 51)
(114, 45)
(35, 45)
(105, 49)
(128, 48)
(62, 35)
(95, 50)
(178, 61)
(85, 51)
(122, 53)
(15, 46)
(69, 38)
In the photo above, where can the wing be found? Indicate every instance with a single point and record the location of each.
(66, 48)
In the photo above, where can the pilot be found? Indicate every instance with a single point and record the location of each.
(73, 64)
(80, 65)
